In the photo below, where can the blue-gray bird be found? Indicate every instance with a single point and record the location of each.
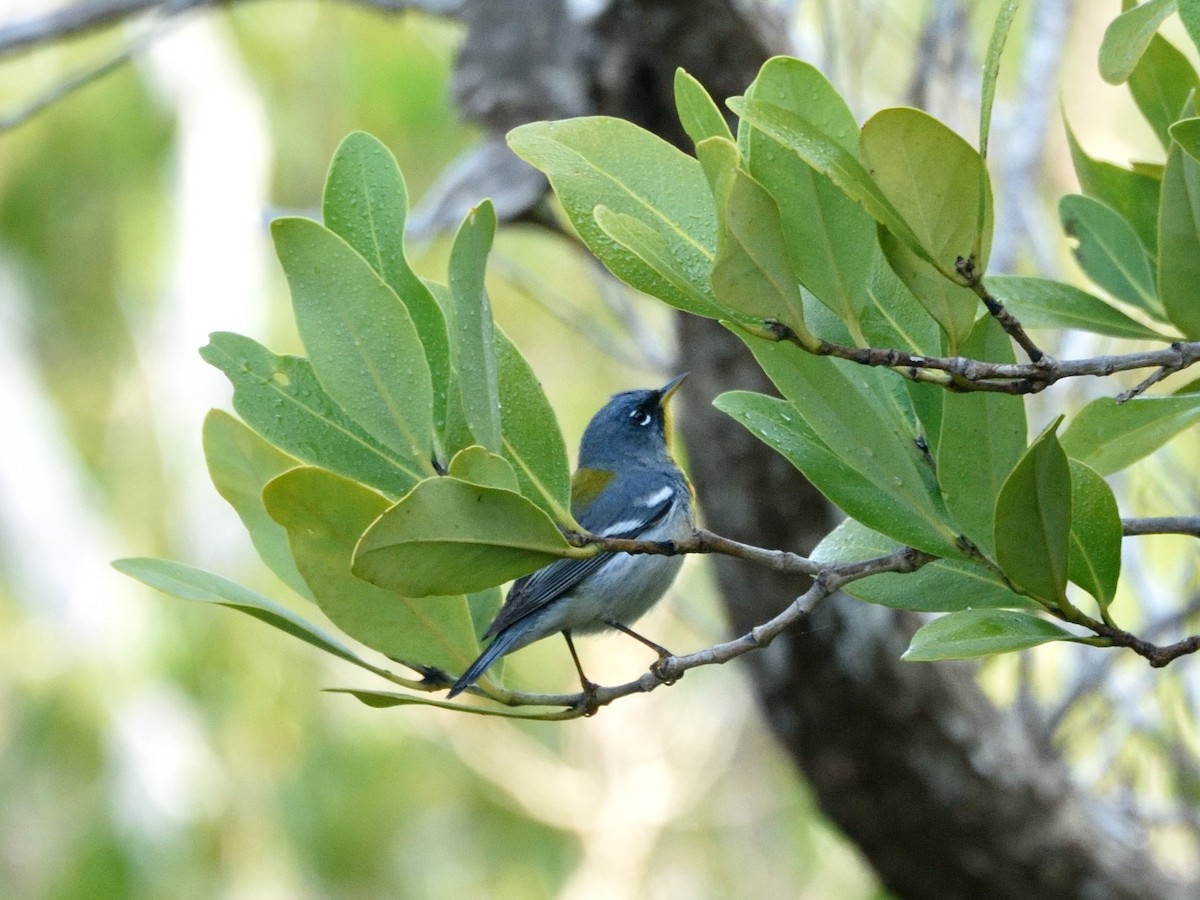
(627, 486)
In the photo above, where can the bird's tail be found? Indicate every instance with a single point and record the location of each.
(503, 642)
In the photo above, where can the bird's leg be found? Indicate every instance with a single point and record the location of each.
(663, 652)
(589, 687)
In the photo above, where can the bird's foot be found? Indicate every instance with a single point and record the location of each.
(660, 669)
(589, 701)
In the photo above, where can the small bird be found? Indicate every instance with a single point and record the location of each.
(627, 486)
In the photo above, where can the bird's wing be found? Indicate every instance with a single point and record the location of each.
(534, 591)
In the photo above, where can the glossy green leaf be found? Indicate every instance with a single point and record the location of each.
(688, 276)
(752, 273)
(1161, 84)
(1043, 303)
(839, 437)
(1186, 133)
(1109, 251)
(991, 69)
(449, 537)
(1095, 557)
(800, 135)
(483, 606)
(944, 585)
(698, 113)
(825, 231)
(366, 204)
(982, 437)
(1108, 436)
(933, 177)
(1189, 12)
(1128, 36)
(1033, 520)
(478, 466)
(240, 464)
(325, 515)
(981, 632)
(281, 399)
(360, 338)
(780, 426)
(1179, 242)
(599, 161)
(532, 439)
(473, 344)
(893, 317)
(1133, 194)
(190, 583)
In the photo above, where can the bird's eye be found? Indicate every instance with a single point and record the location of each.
(640, 417)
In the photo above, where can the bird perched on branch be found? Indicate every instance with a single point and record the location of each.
(627, 486)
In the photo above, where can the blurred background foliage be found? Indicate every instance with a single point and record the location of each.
(149, 748)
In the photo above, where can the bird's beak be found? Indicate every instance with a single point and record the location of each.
(665, 392)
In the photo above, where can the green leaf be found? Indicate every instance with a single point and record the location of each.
(366, 204)
(1161, 84)
(805, 138)
(473, 347)
(981, 632)
(1033, 520)
(360, 338)
(840, 466)
(752, 273)
(324, 515)
(991, 69)
(1042, 303)
(893, 317)
(1109, 251)
(281, 399)
(688, 276)
(982, 437)
(189, 583)
(938, 183)
(476, 465)
(1189, 12)
(1095, 558)
(484, 605)
(240, 464)
(450, 537)
(1186, 133)
(944, 585)
(1128, 36)
(1108, 436)
(599, 161)
(780, 426)
(1179, 242)
(532, 439)
(699, 115)
(1134, 194)
(825, 230)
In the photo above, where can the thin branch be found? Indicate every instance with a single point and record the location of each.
(1189, 525)
(1014, 329)
(671, 668)
(11, 118)
(81, 18)
(701, 541)
(1169, 368)
(827, 579)
(964, 374)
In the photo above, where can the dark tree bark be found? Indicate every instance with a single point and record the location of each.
(946, 795)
